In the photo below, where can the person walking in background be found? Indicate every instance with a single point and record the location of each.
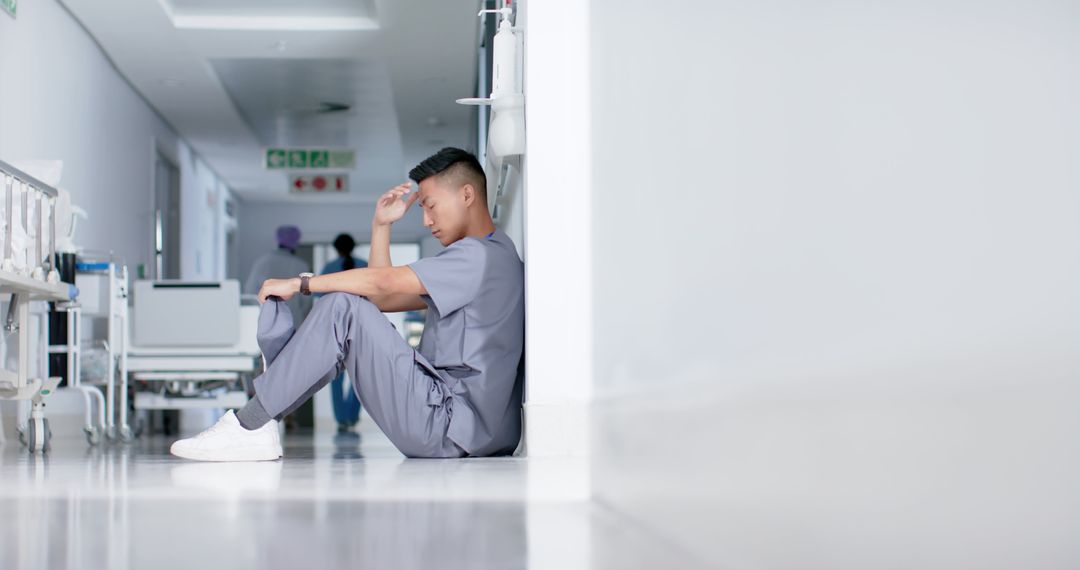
(346, 404)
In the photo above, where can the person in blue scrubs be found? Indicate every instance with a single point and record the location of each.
(346, 404)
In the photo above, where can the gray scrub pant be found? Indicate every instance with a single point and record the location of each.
(348, 332)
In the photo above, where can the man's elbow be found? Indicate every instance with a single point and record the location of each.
(395, 281)
(385, 283)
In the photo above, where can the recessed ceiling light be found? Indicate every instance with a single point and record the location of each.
(273, 23)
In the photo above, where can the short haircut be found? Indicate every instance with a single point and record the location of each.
(453, 162)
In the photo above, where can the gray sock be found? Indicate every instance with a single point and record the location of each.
(253, 415)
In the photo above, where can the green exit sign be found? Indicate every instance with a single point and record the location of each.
(308, 158)
(10, 6)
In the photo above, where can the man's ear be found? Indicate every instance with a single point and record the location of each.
(469, 194)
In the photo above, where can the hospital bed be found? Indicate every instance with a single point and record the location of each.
(193, 345)
(28, 273)
(103, 298)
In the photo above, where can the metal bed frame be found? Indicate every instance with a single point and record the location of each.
(38, 282)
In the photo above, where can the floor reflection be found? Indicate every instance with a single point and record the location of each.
(346, 501)
(347, 445)
(76, 532)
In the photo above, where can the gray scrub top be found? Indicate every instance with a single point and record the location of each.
(474, 337)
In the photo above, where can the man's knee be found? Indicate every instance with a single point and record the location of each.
(346, 302)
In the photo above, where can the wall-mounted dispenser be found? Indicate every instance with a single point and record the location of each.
(506, 136)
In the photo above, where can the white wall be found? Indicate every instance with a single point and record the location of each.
(60, 98)
(558, 210)
(836, 253)
(202, 218)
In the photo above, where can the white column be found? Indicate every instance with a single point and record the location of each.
(558, 229)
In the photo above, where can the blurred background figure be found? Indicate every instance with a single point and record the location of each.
(346, 404)
(281, 263)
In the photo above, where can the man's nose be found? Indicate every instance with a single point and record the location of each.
(427, 220)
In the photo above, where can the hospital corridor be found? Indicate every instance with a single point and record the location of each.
(546, 285)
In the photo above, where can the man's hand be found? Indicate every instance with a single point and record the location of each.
(284, 288)
(392, 206)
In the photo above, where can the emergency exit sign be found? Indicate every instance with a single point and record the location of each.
(10, 6)
(306, 158)
(318, 183)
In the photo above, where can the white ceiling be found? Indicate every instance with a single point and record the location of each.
(236, 76)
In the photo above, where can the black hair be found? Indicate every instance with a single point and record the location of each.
(344, 244)
(452, 160)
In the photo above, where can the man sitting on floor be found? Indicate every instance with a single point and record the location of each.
(460, 393)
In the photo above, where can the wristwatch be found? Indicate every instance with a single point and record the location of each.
(305, 283)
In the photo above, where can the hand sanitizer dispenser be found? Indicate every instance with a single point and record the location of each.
(506, 134)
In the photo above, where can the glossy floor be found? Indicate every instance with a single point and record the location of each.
(334, 502)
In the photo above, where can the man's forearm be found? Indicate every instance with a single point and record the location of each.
(368, 282)
(380, 246)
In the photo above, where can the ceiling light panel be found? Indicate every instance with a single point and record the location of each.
(275, 15)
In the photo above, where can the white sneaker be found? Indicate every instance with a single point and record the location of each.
(227, 440)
